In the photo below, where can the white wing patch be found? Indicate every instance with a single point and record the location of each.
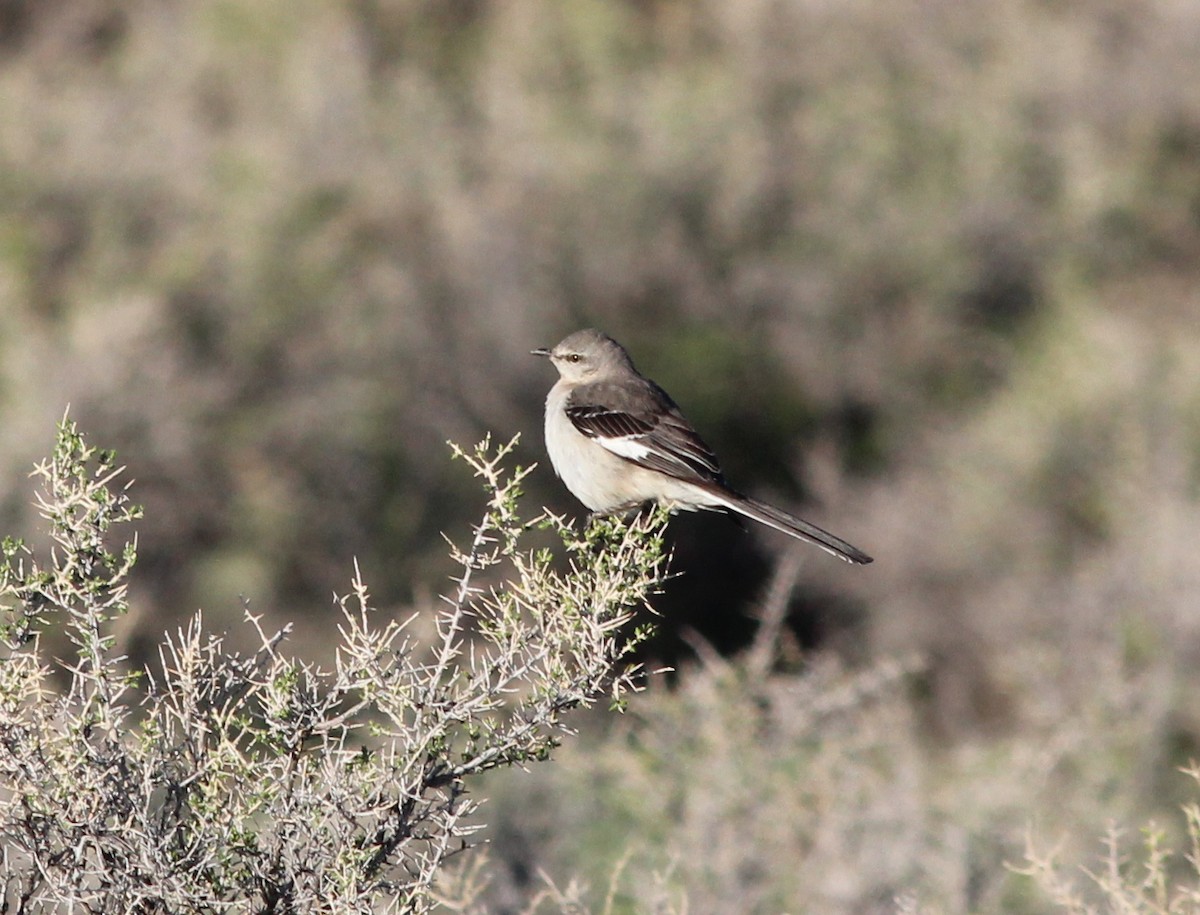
(629, 447)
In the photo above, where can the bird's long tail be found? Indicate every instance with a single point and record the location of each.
(792, 526)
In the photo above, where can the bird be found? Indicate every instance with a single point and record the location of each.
(617, 441)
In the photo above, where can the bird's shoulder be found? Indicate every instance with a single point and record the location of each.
(637, 405)
(638, 420)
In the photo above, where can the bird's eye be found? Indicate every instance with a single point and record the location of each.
(574, 357)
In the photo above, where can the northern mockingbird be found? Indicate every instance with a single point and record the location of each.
(617, 440)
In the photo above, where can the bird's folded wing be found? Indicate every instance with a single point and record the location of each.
(645, 427)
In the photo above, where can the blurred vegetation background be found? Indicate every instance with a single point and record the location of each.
(927, 272)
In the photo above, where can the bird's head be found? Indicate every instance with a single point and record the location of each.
(587, 355)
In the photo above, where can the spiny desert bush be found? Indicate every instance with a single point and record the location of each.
(734, 791)
(1157, 879)
(259, 782)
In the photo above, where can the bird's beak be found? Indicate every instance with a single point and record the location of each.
(540, 351)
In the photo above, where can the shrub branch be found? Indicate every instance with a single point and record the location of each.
(262, 782)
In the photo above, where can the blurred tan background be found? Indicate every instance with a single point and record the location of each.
(926, 272)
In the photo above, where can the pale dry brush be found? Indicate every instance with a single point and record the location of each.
(1159, 878)
(260, 782)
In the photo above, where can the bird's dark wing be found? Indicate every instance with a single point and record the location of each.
(640, 423)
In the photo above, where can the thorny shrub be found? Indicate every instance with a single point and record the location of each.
(260, 782)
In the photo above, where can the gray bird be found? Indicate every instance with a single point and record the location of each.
(617, 440)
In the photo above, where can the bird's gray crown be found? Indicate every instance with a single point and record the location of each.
(587, 355)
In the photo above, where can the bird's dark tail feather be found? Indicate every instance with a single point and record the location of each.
(792, 526)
